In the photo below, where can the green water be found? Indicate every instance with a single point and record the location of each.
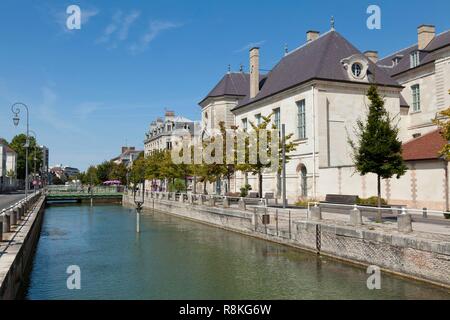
(177, 259)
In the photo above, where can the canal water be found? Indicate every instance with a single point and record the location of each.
(173, 258)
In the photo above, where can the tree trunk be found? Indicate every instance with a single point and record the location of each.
(204, 187)
(379, 215)
(260, 184)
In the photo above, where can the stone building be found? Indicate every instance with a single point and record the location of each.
(319, 92)
(8, 168)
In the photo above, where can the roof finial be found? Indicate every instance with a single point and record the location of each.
(332, 23)
(229, 68)
(286, 49)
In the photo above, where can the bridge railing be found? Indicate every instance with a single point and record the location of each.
(61, 190)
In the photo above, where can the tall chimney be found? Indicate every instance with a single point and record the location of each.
(254, 72)
(425, 33)
(372, 55)
(312, 35)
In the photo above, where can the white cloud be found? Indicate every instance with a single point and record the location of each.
(155, 28)
(119, 27)
(250, 45)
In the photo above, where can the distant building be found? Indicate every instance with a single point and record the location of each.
(63, 172)
(45, 162)
(8, 168)
(164, 133)
(127, 156)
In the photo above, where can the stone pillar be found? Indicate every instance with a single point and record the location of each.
(6, 222)
(241, 204)
(255, 219)
(181, 199)
(212, 201)
(315, 213)
(404, 222)
(226, 202)
(355, 217)
(13, 218)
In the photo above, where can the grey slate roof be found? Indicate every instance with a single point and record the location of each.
(319, 59)
(232, 84)
(426, 55)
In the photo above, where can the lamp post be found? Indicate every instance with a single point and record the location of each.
(34, 160)
(15, 108)
(139, 203)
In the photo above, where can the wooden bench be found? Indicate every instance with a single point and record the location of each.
(340, 199)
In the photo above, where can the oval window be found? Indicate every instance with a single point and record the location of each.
(356, 69)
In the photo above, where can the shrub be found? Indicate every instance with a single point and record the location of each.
(372, 201)
(245, 189)
(304, 202)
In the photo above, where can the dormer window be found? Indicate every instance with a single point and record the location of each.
(415, 59)
(356, 69)
(395, 61)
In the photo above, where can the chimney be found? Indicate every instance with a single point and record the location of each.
(312, 35)
(254, 72)
(425, 33)
(169, 115)
(124, 149)
(372, 55)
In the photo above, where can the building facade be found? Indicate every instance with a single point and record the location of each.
(127, 156)
(318, 91)
(8, 168)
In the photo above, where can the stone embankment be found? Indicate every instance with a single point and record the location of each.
(394, 247)
(20, 227)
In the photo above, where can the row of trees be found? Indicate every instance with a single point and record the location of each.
(34, 153)
(107, 170)
(159, 165)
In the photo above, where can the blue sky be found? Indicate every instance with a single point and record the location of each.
(90, 91)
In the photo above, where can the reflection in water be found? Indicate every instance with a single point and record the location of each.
(172, 258)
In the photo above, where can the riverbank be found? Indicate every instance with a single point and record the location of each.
(19, 238)
(415, 255)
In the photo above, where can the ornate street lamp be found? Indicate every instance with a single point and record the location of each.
(15, 108)
(34, 160)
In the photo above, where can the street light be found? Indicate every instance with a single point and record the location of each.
(15, 108)
(34, 160)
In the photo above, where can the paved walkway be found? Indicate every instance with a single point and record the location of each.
(8, 199)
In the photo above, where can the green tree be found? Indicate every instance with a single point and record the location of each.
(18, 145)
(259, 167)
(118, 172)
(377, 148)
(444, 125)
(104, 170)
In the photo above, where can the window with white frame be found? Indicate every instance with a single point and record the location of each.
(416, 97)
(244, 124)
(301, 119)
(258, 119)
(415, 59)
(277, 118)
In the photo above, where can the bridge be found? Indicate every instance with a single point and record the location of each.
(80, 194)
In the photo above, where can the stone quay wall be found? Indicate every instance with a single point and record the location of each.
(20, 228)
(423, 257)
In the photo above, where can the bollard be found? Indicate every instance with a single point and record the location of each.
(12, 218)
(404, 222)
(355, 216)
(262, 202)
(181, 198)
(18, 212)
(315, 213)
(425, 213)
(226, 202)
(241, 204)
(255, 219)
(201, 200)
(6, 222)
(212, 201)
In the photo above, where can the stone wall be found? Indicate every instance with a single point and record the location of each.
(18, 251)
(422, 258)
